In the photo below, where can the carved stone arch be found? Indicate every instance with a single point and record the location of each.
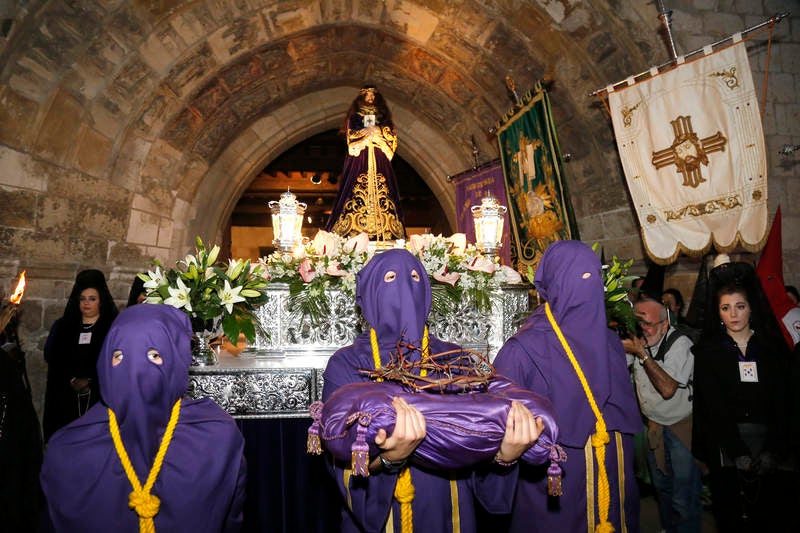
(430, 151)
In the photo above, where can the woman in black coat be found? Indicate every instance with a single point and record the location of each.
(740, 429)
(72, 348)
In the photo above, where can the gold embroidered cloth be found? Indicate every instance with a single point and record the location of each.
(692, 148)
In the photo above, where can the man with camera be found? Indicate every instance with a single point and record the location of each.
(662, 368)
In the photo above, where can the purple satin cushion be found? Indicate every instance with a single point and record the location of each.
(462, 429)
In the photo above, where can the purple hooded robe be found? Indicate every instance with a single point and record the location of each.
(569, 279)
(443, 501)
(202, 479)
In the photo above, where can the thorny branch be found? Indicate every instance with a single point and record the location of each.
(458, 370)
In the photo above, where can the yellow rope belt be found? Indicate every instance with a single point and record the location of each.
(599, 438)
(404, 489)
(145, 504)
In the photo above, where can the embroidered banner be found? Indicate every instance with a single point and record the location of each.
(692, 149)
(473, 185)
(537, 197)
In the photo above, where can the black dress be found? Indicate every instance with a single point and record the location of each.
(735, 417)
(71, 351)
(20, 446)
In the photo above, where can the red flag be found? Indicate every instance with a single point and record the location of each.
(770, 273)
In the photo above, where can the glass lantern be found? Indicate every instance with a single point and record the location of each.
(488, 219)
(287, 221)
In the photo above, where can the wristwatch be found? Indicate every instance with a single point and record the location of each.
(392, 467)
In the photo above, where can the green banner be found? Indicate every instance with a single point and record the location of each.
(538, 202)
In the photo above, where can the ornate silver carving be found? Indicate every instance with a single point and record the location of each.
(265, 393)
(280, 374)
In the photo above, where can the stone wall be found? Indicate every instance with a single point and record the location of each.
(127, 128)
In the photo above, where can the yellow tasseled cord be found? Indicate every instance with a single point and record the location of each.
(145, 504)
(404, 489)
(600, 437)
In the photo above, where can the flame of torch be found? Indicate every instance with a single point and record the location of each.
(17, 296)
(10, 310)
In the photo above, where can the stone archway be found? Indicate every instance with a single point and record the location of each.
(425, 148)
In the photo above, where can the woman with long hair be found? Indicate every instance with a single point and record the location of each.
(368, 199)
(740, 404)
(72, 348)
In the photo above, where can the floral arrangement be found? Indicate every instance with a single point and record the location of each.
(328, 261)
(325, 262)
(207, 290)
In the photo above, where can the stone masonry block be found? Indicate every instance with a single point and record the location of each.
(165, 233)
(88, 189)
(719, 25)
(161, 49)
(19, 169)
(17, 115)
(782, 88)
(619, 224)
(54, 215)
(142, 228)
(55, 140)
(127, 170)
(787, 119)
(19, 208)
(94, 153)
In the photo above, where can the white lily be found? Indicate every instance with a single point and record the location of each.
(156, 279)
(229, 296)
(179, 297)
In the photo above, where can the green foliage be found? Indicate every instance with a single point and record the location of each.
(208, 291)
(619, 311)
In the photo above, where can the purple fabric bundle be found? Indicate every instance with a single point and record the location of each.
(462, 429)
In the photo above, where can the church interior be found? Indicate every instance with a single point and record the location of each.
(129, 128)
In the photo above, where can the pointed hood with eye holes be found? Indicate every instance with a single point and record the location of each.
(569, 277)
(397, 308)
(140, 392)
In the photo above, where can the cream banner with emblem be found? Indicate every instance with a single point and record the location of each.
(692, 148)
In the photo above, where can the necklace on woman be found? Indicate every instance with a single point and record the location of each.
(743, 345)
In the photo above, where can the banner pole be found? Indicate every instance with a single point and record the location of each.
(772, 20)
(666, 20)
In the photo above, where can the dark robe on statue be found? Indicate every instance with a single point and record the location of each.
(201, 481)
(441, 499)
(569, 279)
(368, 200)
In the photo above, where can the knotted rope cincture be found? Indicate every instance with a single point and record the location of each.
(140, 500)
(404, 494)
(404, 489)
(600, 437)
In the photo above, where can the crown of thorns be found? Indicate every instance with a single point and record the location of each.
(451, 371)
